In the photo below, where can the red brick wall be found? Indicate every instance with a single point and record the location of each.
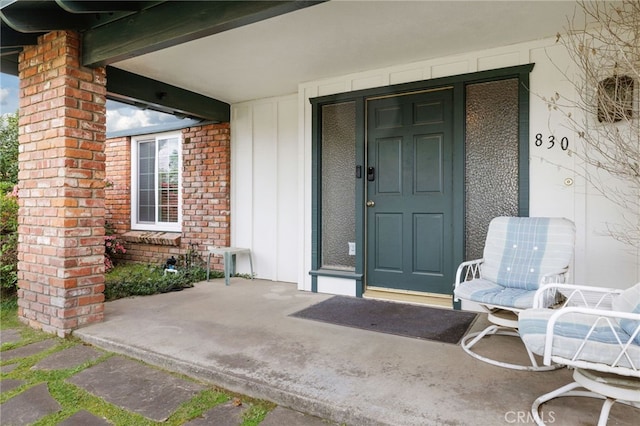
(61, 218)
(205, 195)
(206, 185)
(118, 183)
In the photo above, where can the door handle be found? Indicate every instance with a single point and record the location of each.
(371, 203)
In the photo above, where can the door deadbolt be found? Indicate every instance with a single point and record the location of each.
(370, 203)
(371, 174)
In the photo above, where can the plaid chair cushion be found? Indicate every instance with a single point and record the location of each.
(569, 334)
(490, 293)
(629, 301)
(519, 251)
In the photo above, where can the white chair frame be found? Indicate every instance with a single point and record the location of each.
(613, 383)
(503, 319)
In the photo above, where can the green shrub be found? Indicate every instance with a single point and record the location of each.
(8, 208)
(8, 239)
(142, 280)
(9, 148)
(8, 204)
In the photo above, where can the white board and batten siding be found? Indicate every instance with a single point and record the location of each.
(264, 186)
(271, 169)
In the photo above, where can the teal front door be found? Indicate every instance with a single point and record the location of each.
(410, 218)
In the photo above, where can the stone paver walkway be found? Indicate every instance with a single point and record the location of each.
(69, 358)
(84, 418)
(29, 406)
(125, 383)
(136, 387)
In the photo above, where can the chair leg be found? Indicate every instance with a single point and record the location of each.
(471, 339)
(535, 408)
(604, 414)
(582, 382)
(492, 329)
(567, 390)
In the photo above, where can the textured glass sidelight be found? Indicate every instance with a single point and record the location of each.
(491, 169)
(338, 153)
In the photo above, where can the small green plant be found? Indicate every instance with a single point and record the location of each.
(192, 258)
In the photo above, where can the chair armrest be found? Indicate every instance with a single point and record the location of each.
(551, 297)
(576, 295)
(601, 317)
(556, 277)
(467, 271)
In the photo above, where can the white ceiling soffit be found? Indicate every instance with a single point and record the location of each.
(271, 57)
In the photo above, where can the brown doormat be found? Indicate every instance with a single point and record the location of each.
(420, 322)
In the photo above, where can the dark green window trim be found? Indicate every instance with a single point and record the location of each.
(359, 97)
(521, 72)
(316, 195)
(473, 77)
(523, 155)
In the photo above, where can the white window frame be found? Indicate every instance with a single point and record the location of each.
(156, 225)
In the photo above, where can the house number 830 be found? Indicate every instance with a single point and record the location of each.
(551, 142)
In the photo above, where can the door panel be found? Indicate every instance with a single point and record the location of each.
(427, 163)
(428, 244)
(389, 169)
(428, 112)
(389, 244)
(388, 117)
(410, 224)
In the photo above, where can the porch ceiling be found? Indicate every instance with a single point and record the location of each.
(115, 30)
(271, 57)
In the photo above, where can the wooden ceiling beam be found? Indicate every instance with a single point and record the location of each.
(172, 23)
(140, 91)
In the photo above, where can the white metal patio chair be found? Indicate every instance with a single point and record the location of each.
(597, 333)
(520, 254)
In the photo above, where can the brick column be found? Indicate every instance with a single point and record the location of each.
(62, 163)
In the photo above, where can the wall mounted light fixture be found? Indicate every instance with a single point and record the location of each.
(615, 99)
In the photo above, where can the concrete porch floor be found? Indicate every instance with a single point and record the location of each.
(241, 338)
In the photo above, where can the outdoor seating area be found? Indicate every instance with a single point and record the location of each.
(520, 254)
(522, 283)
(596, 333)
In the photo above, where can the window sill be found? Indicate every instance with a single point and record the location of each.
(153, 237)
(336, 274)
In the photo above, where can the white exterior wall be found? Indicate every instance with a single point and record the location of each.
(271, 169)
(264, 186)
(599, 260)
